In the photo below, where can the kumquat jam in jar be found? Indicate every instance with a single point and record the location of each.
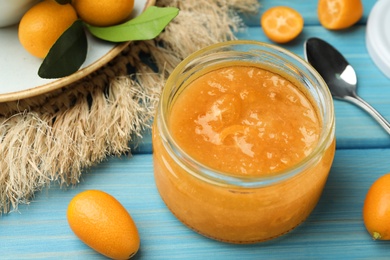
(243, 141)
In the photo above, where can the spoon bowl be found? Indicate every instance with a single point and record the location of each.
(339, 75)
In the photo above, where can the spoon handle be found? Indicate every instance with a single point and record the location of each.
(369, 109)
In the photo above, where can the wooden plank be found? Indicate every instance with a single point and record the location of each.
(334, 229)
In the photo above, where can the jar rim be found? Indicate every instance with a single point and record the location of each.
(217, 177)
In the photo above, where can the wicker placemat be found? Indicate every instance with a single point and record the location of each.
(54, 137)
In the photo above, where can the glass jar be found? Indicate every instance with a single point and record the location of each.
(239, 208)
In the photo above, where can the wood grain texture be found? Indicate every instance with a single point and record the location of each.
(334, 230)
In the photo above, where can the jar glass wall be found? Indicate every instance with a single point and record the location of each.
(239, 208)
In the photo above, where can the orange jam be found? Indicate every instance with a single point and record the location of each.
(239, 150)
(244, 120)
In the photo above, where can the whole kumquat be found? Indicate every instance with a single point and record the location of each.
(101, 222)
(339, 14)
(281, 24)
(376, 209)
(42, 25)
(103, 12)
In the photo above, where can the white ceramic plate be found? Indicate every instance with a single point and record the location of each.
(19, 70)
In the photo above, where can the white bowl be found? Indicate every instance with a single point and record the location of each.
(378, 35)
(11, 11)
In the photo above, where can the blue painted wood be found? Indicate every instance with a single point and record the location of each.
(334, 230)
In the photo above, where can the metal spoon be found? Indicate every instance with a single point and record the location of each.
(339, 75)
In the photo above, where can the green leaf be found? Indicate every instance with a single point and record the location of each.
(63, 2)
(146, 26)
(67, 54)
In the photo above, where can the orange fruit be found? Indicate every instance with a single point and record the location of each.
(339, 14)
(103, 12)
(43, 24)
(376, 209)
(281, 24)
(101, 222)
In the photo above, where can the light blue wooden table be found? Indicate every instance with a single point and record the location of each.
(334, 230)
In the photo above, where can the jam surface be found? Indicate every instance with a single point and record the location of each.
(245, 120)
